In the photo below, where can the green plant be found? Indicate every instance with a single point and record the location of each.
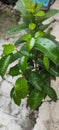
(38, 56)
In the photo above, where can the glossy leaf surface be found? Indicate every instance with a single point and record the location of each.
(32, 26)
(39, 34)
(49, 48)
(53, 69)
(4, 62)
(35, 98)
(21, 87)
(15, 98)
(23, 63)
(35, 80)
(50, 92)
(30, 44)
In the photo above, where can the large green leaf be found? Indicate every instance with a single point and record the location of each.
(49, 14)
(35, 98)
(14, 96)
(17, 28)
(52, 38)
(21, 6)
(23, 63)
(4, 62)
(50, 92)
(35, 80)
(21, 87)
(49, 48)
(16, 99)
(44, 75)
(53, 69)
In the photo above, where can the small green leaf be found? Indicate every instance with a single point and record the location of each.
(21, 87)
(46, 62)
(35, 98)
(39, 34)
(8, 49)
(4, 62)
(23, 38)
(30, 44)
(51, 93)
(32, 26)
(14, 71)
(39, 13)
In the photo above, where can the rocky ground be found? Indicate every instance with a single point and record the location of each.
(13, 117)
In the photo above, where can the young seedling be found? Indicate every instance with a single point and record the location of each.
(38, 57)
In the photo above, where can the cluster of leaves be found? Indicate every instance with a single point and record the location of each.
(38, 57)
